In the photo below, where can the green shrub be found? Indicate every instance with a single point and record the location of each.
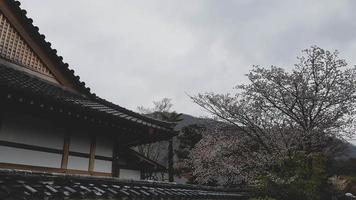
(299, 176)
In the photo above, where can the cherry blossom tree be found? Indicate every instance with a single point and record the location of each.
(279, 112)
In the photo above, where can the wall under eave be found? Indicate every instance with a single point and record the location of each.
(130, 174)
(79, 142)
(30, 131)
(104, 147)
(33, 141)
(19, 129)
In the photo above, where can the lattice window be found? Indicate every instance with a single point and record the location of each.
(15, 49)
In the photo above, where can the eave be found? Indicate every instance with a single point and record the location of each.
(29, 92)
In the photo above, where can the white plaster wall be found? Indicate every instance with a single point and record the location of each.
(79, 141)
(180, 180)
(40, 132)
(31, 130)
(78, 163)
(104, 147)
(130, 174)
(102, 166)
(29, 157)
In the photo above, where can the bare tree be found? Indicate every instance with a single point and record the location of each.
(159, 110)
(281, 112)
(159, 107)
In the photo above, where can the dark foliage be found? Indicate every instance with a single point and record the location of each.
(300, 176)
(189, 137)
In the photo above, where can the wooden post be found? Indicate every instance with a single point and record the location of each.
(2, 106)
(170, 161)
(92, 155)
(115, 170)
(1, 115)
(66, 143)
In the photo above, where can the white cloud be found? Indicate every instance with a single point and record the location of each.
(134, 52)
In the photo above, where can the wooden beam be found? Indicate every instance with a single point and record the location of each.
(51, 150)
(92, 154)
(65, 155)
(50, 169)
(30, 147)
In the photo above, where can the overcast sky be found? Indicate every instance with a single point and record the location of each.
(135, 52)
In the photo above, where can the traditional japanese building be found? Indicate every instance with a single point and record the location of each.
(58, 139)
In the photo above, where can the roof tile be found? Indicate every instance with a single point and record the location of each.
(26, 83)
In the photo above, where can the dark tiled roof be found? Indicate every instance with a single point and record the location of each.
(15, 184)
(28, 84)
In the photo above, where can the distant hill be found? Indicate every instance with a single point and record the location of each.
(350, 152)
(189, 120)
